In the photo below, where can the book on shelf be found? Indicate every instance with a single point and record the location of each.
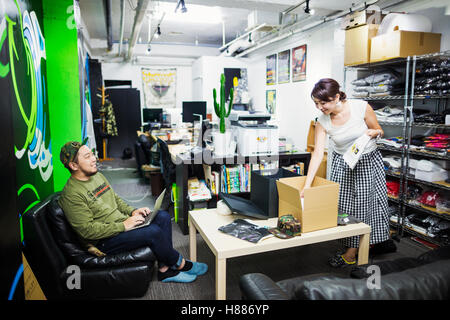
(233, 178)
(198, 190)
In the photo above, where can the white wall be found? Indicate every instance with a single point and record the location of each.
(294, 107)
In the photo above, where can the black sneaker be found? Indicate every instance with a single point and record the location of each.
(339, 262)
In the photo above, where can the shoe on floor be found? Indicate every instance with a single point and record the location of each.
(339, 261)
(198, 268)
(176, 276)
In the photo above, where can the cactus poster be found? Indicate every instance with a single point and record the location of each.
(271, 70)
(159, 86)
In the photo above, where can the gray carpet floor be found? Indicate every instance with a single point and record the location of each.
(278, 265)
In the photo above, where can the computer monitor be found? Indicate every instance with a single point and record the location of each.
(191, 107)
(152, 114)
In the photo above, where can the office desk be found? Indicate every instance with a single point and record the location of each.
(184, 160)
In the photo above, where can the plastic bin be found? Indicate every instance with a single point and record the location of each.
(264, 193)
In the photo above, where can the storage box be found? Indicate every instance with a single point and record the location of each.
(358, 44)
(320, 209)
(359, 18)
(264, 192)
(401, 44)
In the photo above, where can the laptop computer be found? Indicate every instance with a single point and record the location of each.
(149, 218)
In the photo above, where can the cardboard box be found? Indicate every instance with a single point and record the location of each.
(320, 202)
(264, 192)
(360, 18)
(358, 44)
(401, 44)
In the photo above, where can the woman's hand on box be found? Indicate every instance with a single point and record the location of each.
(302, 193)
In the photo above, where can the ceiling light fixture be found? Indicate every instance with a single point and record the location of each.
(183, 6)
(158, 32)
(307, 9)
(197, 14)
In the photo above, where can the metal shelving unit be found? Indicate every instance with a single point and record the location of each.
(409, 98)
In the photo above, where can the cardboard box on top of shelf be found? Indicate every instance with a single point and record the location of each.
(401, 44)
(320, 206)
(358, 44)
(359, 18)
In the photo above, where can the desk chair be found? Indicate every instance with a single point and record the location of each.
(168, 171)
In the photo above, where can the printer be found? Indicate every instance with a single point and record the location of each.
(254, 136)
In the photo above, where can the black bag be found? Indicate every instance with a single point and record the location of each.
(127, 154)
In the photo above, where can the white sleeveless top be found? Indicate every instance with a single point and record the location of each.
(343, 136)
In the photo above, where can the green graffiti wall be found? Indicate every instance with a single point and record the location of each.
(39, 112)
(63, 80)
(23, 75)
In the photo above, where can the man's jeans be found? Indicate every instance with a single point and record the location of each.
(157, 236)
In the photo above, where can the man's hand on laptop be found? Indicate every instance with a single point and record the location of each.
(134, 220)
(141, 211)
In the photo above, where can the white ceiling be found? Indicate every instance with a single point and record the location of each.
(234, 14)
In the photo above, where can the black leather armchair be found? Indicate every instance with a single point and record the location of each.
(426, 277)
(51, 247)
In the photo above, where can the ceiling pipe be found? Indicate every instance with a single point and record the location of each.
(314, 25)
(242, 36)
(141, 8)
(122, 25)
(107, 9)
(157, 26)
(292, 8)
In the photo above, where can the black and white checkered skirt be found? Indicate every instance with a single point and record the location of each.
(363, 194)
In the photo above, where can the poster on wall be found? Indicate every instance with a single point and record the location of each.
(299, 63)
(271, 101)
(159, 86)
(237, 79)
(271, 69)
(284, 66)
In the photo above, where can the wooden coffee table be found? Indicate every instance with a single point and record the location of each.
(224, 246)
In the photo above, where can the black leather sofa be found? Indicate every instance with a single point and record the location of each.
(52, 248)
(426, 277)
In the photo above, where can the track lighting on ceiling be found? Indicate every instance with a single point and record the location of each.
(158, 32)
(307, 9)
(183, 6)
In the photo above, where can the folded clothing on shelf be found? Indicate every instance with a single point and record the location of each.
(382, 83)
(433, 118)
(433, 78)
(414, 193)
(393, 188)
(431, 226)
(429, 198)
(390, 114)
(395, 142)
(392, 163)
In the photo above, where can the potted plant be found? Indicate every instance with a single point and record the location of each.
(223, 143)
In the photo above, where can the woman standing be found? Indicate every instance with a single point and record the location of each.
(362, 191)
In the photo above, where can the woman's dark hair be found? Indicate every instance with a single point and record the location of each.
(327, 89)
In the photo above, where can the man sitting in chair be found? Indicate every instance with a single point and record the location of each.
(102, 219)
